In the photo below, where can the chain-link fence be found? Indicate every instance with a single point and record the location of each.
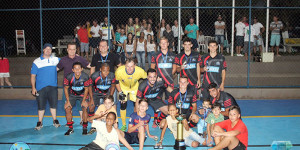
(55, 21)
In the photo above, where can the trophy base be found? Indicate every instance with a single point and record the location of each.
(179, 145)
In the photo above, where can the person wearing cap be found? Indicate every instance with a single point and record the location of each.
(219, 31)
(44, 84)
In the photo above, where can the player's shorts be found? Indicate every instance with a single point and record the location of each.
(240, 146)
(275, 40)
(98, 99)
(246, 47)
(92, 146)
(74, 98)
(239, 40)
(220, 39)
(131, 95)
(132, 138)
(4, 75)
(47, 93)
(156, 104)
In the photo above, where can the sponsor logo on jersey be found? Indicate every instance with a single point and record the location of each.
(190, 66)
(218, 63)
(164, 65)
(154, 95)
(77, 88)
(212, 69)
(103, 87)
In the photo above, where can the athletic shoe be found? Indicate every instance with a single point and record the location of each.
(56, 123)
(93, 130)
(66, 125)
(70, 131)
(241, 55)
(84, 131)
(123, 128)
(155, 124)
(39, 126)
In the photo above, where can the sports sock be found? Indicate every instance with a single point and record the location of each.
(123, 116)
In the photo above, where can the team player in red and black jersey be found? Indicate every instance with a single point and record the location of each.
(226, 100)
(152, 89)
(214, 67)
(185, 97)
(188, 63)
(164, 62)
(76, 86)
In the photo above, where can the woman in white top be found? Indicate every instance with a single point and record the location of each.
(151, 48)
(161, 29)
(129, 46)
(149, 31)
(141, 50)
(130, 27)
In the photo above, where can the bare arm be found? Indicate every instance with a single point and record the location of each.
(226, 112)
(178, 68)
(118, 87)
(185, 125)
(33, 89)
(92, 70)
(132, 128)
(163, 131)
(153, 66)
(194, 105)
(197, 34)
(198, 75)
(223, 80)
(112, 89)
(123, 140)
(174, 68)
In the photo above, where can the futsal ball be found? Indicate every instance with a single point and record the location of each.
(112, 146)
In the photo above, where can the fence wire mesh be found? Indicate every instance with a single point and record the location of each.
(58, 19)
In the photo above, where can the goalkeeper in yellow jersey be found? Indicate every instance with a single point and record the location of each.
(128, 77)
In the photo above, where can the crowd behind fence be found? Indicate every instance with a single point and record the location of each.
(56, 23)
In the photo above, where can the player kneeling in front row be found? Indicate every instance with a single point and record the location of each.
(76, 86)
(108, 135)
(191, 138)
(138, 125)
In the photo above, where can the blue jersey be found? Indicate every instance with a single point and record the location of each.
(135, 119)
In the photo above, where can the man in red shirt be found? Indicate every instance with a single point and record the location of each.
(236, 135)
(84, 41)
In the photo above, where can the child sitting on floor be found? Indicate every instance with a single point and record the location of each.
(211, 120)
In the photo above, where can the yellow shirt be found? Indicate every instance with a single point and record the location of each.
(130, 83)
(89, 30)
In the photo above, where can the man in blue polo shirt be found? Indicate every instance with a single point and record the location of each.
(44, 84)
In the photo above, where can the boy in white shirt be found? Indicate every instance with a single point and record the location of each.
(246, 40)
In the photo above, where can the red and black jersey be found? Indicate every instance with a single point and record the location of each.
(215, 67)
(151, 93)
(225, 100)
(102, 85)
(76, 86)
(187, 99)
(164, 66)
(191, 65)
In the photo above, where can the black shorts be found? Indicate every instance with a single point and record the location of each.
(92, 146)
(47, 93)
(204, 94)
(240, 146)
(132, 138)
(156, 104)
(239, 40)
(77, 42)
(98, 99)
(95, 42)
(74, 98)
(195, 43)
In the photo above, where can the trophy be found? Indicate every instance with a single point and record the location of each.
(179, 142)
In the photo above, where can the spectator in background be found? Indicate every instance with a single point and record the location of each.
(4, 70)
(137, 27)
(168, 33)
(201, 38)
(104, 32)
(117, 34)
(246, 41)
(276, 26)
(95, 32)
(141, 50)
(152, 25)
(84, 41)
(130, 27)
(175, 29)
(161, 29)
(239, 36)
(144, 26)
(245, 19)
(76, 37)
(129, 46)
(44, 84)
(120, 44)
(192, 31)
(259, 29)
(219, 32)
(149, 31)
(88, 27)
(151, 48)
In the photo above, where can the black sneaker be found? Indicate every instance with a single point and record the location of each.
(56, 123)
(93, 130)
(84, 131)
(70, 131)
(39, 126)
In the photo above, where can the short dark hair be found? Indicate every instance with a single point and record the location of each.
(114, 114)
(151, 70)
(169, 105)
(77, 63)
(207, 100)
(212, 41)
(187, 39)
(110, 97)
(184, 76)
(71, 43)
(143, 100)
(105, 65)
(237, 108)
(215, 105)
(213, 86)
(129, 60)
(103, 41)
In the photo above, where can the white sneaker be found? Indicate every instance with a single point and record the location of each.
(241, 55)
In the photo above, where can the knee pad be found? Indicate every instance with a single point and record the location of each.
(124, 106)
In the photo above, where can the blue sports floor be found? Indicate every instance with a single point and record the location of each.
(266, 120)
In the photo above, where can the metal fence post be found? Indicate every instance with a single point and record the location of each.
(108, 26)
(41, 25)
(248, 72)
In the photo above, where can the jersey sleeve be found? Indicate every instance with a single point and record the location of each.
(153, 61)
(224, 65)
(34, 69)
(171, 97)
(140, 91)
(199, 58)
(131, 119)
(66, 82)
(177, 60)
(202, 62)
